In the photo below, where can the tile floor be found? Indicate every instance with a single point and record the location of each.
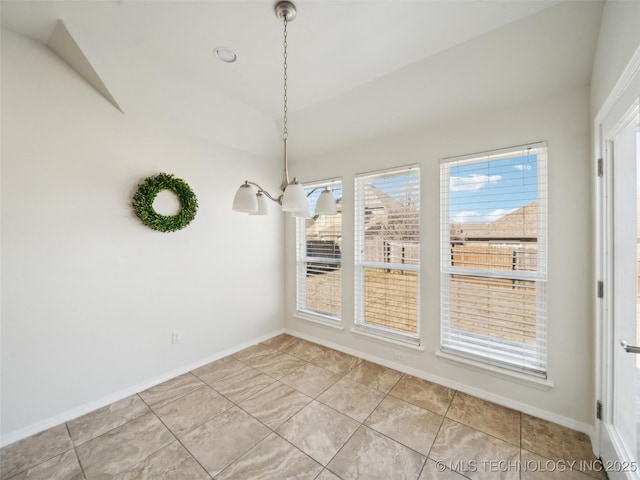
(291, 409)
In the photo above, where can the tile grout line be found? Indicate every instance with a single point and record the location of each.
(444, 416)
(127, 421)
(251, 447)
(415, 404)
(178, 397)
(176, 439)
(75, 451)
(271, 431)
(361, 424)
(274, 431)
(199, 424)
(388, 394)
(163, 424)
(25, 469)
(343, 445)
(486, 433)
(308, 362)
(403, 445)
(471, 426)
(146, 412)
(337, 411)
(276, 381)
(556, 460)
(302, 452)
(221, 413)
(221, 378)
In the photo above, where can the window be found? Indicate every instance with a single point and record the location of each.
(493, 257)
(319, 258)
(387, 252)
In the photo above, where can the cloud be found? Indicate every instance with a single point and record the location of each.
(499, 213)
(466, 217)
(473, 182)
(476, 217)
(522, 167)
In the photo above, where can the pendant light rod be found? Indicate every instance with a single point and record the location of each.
(293, 198)
(285, 11)
(285, 173)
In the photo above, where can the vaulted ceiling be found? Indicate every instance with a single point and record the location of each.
(356, 68)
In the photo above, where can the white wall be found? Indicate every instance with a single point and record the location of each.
(563, 121)
(90, 296)
(618, 40)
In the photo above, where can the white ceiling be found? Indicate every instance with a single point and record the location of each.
(355, 67)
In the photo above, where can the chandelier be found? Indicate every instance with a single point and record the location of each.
(293, 198)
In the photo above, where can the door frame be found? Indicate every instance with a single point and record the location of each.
(611, 117)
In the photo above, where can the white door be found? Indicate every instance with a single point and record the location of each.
(620, 435)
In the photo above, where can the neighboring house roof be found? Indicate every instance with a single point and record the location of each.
(522, 223)
(379, 207)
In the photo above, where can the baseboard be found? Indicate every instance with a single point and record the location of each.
(104, 401)
(63, 417)
(476, 392)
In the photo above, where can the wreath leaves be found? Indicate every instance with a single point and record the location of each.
(146, 195)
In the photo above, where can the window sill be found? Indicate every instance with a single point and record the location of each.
(522, 378)
(319, 319)
(408, 343)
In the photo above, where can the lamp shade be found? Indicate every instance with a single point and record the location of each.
(263, 205)
(245, 199)
(306, 213)
(294, 199)
(326, 204)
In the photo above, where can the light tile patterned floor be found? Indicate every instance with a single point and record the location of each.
(291, 409)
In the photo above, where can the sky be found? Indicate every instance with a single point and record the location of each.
(480, 192)
(485, 191)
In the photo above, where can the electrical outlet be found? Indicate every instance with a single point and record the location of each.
(175, 337)
(398, 356)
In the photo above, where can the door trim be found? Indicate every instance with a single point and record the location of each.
(615, 113)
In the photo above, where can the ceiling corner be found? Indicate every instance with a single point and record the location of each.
(62, 43)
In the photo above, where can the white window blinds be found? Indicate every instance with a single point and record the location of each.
(387, 251)
(319, 258)
(493, 257)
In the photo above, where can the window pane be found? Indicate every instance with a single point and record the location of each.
(493, 210)
(391, 299)
(319, 257)
(497, 307)
(493, 237)
(323, 292)
(388, 251)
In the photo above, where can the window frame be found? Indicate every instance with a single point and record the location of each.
(360, 264)
(539, 277)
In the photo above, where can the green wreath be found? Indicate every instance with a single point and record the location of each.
(146, 195)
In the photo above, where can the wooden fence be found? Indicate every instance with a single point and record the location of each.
(494, 257)
(391, 251)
